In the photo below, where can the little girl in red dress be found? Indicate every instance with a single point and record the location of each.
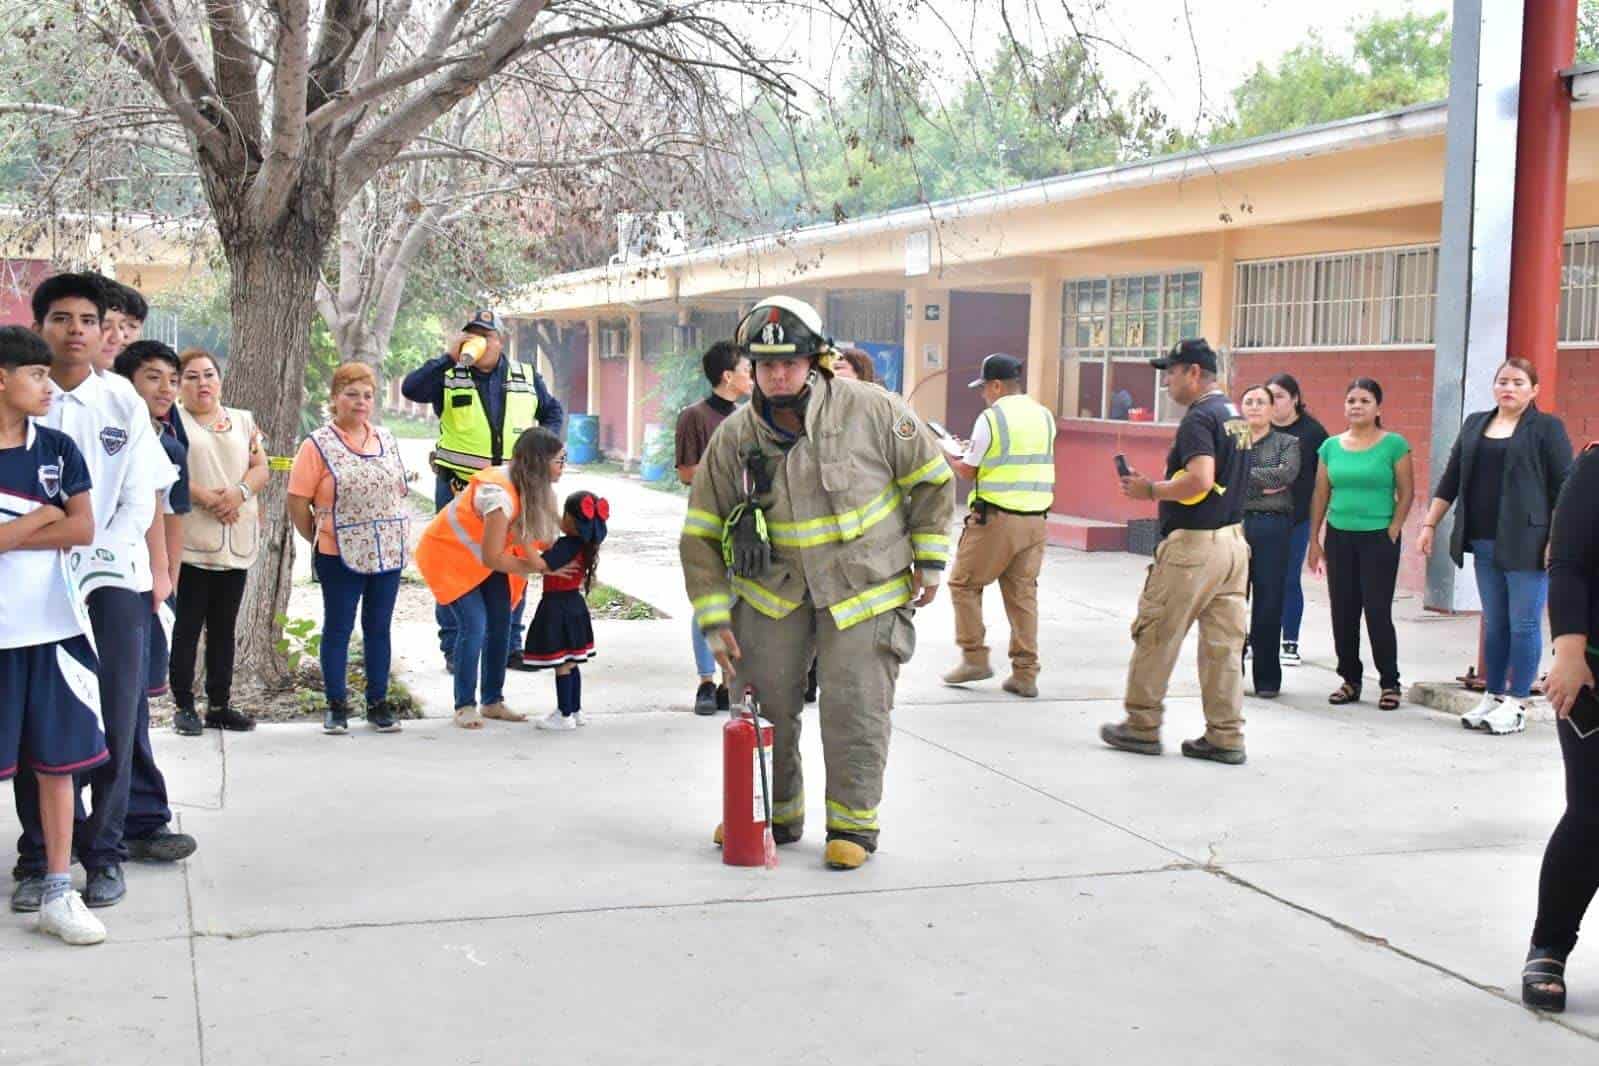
(562, 635)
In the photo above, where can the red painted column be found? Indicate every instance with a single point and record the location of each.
(1543, 140)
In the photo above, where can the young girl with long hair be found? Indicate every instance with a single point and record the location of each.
(562, 634)
(476, 557)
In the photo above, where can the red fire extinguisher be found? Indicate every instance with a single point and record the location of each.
(746, 789)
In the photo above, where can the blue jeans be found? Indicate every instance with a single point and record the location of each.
(1512, 607)
(1293, 581)
(704, 661)
(442, 495)
(342, 590)
(1268, 536)
(482, 641)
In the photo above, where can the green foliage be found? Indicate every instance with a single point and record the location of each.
(610, 602)
(1394, 61)
(682, 383)
(300, 640)
(1029, 116)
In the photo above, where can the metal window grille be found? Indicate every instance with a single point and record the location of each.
(1579, 288)
(1370, 299)
(1110, 328)
(867, 315)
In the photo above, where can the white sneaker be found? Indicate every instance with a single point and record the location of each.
(1474, 718)
(1509, 717)
(558, 722)
(580, 719)
(1290, 653)
(67, 917)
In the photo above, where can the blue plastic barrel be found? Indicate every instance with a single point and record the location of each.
(582, 439)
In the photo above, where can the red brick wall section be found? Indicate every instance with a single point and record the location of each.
(1578, 394)
(1406, 380)
(18, 277)
(613, 406)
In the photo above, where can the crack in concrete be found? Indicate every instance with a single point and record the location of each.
(194, 962)
(630, 908)
(1387, 945)
(1216, 870)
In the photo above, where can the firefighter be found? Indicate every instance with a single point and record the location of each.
(484, 398)
(818, 517)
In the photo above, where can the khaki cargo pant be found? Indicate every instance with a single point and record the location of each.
(1008, 548)
(1198, 575)
(857, 670)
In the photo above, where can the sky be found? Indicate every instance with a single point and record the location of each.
(1144, 40)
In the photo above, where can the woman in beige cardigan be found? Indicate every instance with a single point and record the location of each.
(221, 537)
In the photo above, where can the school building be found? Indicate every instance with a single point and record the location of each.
(1313, 252)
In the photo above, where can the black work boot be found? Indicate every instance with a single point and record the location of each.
(336, 719)
(705, 698)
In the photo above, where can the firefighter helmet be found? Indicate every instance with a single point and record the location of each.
(781, 327)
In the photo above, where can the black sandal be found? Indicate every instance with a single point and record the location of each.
(1390, 699)
(1544, 967)
(1346, 693)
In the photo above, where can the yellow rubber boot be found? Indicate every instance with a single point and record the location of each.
(716, 838)
(844, 855)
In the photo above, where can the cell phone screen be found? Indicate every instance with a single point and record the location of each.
(1122, 469)
(1585, 713)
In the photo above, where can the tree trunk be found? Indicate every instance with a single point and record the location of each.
(273, 301)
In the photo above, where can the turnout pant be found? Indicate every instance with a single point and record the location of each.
(126, 793)
(858, 670)
(1198, 576)
(1007, 548)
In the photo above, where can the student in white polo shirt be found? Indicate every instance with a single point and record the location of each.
(108, 421)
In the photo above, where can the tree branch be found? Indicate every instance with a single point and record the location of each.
(234, 61)
(275, 181)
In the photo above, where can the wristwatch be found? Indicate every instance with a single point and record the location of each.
(244, 490)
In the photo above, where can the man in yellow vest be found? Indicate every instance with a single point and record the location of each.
(1011, 460)
(484, 401)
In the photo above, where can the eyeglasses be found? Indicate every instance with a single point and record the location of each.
(561, 459)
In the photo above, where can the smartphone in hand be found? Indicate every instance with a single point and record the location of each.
(1584, 717)
(1122, 469)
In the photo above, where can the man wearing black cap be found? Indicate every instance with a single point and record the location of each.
(484, 402)
(1201, 568)
(1011, 462)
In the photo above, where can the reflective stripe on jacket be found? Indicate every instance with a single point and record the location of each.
(1018, 470)
(466, 440)
(862, 497)
(450, 553)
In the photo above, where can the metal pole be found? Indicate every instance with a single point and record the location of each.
(1543, 142)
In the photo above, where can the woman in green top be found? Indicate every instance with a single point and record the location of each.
(1364, 487)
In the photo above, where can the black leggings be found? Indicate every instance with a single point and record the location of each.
(209, 600)
(1362, 569)
(1571, 861)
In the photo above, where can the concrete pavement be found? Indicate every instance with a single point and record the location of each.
(1361, 891)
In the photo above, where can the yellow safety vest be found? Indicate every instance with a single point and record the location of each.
(467, 443)
(1018, 470)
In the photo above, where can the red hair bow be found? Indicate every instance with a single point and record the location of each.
(587, 507)
(604, 509)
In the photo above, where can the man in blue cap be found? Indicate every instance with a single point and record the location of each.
(484, 401)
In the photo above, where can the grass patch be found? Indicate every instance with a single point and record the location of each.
(606, 601)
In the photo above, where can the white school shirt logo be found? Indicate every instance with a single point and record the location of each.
(50, 480)
(112, 439)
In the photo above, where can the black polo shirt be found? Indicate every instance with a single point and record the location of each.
(1213, 426)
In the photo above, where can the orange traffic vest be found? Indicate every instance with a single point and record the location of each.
(450, 553)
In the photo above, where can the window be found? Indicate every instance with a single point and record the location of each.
(1579, 288)
(1110, 329)
(866, 315)
(1372, 299)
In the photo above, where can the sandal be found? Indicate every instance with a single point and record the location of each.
(1543, 980)
(1390, 699)
(1346, 693)
(500, 712)
(468, 717)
